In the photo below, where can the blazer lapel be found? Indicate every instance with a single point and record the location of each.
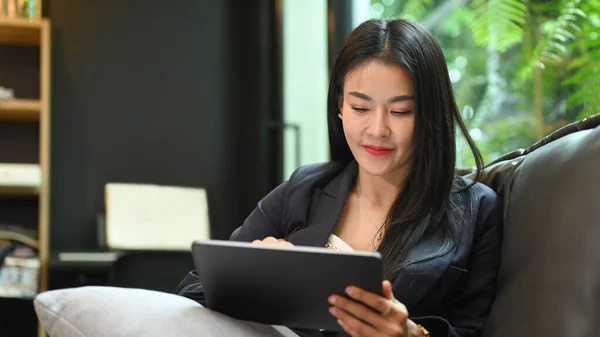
(418, 278)
(426, 264)
(326, 208)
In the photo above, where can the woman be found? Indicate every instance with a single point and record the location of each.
(391, 186)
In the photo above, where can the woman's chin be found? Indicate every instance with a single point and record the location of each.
(378, 168)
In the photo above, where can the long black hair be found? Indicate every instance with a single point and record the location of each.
(427, 201)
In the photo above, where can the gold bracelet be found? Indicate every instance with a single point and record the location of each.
(424, 332)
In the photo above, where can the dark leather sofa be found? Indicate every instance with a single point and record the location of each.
(549, 282)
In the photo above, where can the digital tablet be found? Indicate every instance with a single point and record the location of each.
(277, 285)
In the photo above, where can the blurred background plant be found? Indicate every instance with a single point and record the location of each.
(520, 68)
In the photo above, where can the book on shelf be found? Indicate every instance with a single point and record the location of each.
(20, 263)
(16, 233)
(19, 273)
(17, 174)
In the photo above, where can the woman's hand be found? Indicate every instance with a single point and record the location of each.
(271, 241)
(371, 315)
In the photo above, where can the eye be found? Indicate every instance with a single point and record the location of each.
(357, 109)
(401, 113)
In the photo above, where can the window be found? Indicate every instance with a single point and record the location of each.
(520, 68)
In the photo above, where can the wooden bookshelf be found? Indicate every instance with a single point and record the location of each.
(15, 191)
(34, 36)
(18, 31)
(20, 109)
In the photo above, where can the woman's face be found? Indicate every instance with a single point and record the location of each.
(378, 118)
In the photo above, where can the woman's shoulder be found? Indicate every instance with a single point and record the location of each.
(481, 200)
(315, 173)
(475, 189)
(304, 181)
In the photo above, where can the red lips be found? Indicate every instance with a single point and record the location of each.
(377, 150)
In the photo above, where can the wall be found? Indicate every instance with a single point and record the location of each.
(153, 92)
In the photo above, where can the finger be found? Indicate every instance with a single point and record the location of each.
(392, 312)
(355, 326)
(271, 241)
(375, 301)
(349, 330)
(363, 313)
(387, 289)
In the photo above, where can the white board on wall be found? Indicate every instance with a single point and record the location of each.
(155, 217)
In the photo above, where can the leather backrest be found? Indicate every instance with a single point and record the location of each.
(550, 270)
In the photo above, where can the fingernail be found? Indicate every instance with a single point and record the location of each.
(332, 310)
(332, 300)
(349, 290)
(340, 322)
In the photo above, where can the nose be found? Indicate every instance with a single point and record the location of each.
(378, 124)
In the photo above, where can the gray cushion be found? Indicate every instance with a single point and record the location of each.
(550, 271)
(115, 312)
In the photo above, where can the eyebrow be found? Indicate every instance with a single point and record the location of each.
(391, 100)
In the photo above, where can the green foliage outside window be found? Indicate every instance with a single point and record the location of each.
(520, 68)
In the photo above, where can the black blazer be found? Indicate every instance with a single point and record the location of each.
(450, 294)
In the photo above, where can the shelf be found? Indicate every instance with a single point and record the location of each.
(20, 109)
(19, 190)
(18, 31)
(16, 298)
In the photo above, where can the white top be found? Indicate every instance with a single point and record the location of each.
(336, 243)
